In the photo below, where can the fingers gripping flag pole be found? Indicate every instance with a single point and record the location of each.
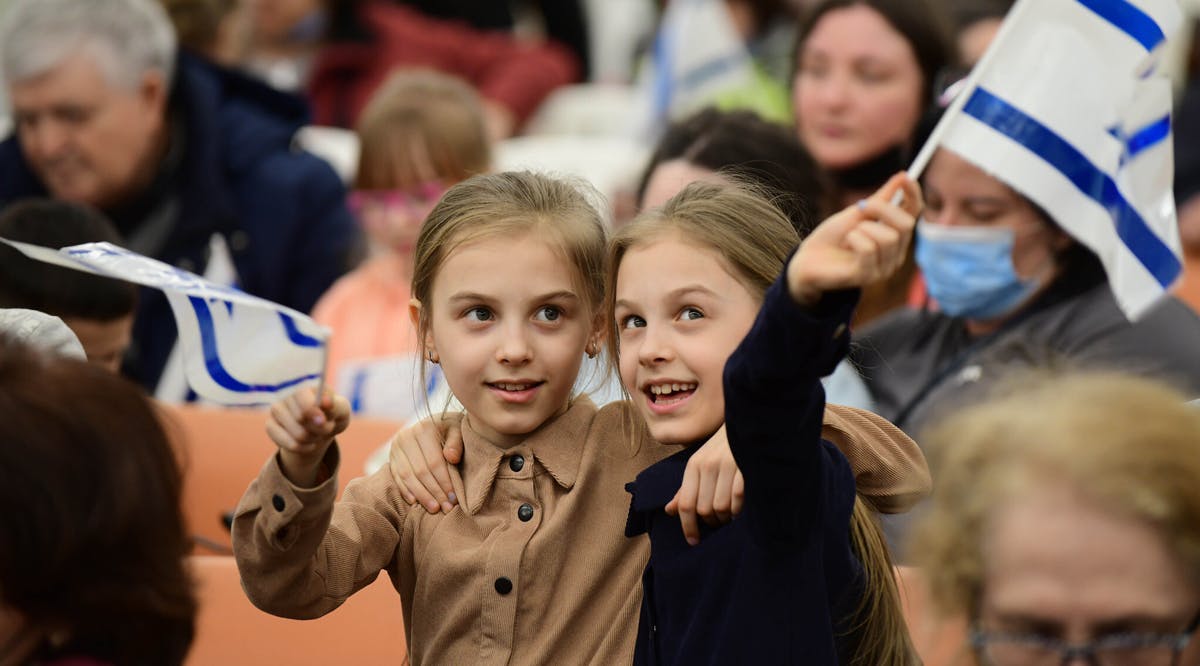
(238, 349)
(1066, 108)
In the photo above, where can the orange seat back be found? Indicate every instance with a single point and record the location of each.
(222, 451)
(367, 629)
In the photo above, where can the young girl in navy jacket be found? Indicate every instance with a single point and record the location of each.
(803, 574)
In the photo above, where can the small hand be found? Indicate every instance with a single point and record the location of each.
(712, 488)
(859, 245)
(303, 429)
(420, 459)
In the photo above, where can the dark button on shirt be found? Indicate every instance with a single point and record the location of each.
(516, 463)
(525, 513)
(503, 585)
(278, 503)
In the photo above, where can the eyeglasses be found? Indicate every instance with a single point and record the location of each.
(416, 200)
(998, 649)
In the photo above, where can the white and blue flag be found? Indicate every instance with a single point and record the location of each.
(1067, 107)
(698, 54)
(238, 349)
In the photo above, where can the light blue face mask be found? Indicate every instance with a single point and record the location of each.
(969, 270)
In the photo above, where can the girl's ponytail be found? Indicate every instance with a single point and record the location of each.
(878, 630)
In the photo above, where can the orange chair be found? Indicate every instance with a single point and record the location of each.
(940, 641)
(222, 450)
(368, 629)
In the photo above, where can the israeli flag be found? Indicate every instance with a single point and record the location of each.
(698, 54)
(238, 349)
(1067, 107)
(390, 387)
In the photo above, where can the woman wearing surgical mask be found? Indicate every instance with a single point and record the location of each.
(1009, 289)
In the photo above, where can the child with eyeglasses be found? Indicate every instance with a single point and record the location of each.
(421, 133)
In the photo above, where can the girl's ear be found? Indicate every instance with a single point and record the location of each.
(428, 348)
(599, 335)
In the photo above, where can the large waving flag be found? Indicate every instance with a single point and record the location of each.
(238, 349)
(1067, 108)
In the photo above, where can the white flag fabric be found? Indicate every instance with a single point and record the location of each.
(698, 54)
(389, 387)
(1067, 108)
(238, 349)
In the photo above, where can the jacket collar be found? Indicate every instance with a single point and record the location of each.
(653, 488)
(557, 446)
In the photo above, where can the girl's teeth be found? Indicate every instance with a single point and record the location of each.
(668, 389)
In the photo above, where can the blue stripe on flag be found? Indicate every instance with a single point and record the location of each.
(1149, 136)
(1049, 146)
(711, 69)
(1127, 18)
(356, 390)
(299, 339)
(212, 356)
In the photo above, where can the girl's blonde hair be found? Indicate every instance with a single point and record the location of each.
(509, 205)
(1129, 444)
(436, 111)
(754, 240)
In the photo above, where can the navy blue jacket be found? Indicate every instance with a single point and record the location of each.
(775, 585)
(282, 211)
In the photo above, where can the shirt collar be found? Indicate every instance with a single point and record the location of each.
(557, 446)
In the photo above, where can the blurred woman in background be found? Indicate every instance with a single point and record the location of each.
(865, 74)
(1066, 523)
(92, 568)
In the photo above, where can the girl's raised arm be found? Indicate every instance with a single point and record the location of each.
(774, 400)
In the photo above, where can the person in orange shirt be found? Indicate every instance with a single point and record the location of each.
(421, 133)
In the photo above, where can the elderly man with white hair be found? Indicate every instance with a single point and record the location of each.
(195, 164)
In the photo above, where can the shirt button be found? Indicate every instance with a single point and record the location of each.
(525, 513)
(278, 503)
(503, 585)
(516, 463)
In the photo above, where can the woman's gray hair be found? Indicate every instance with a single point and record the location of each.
(127, 37)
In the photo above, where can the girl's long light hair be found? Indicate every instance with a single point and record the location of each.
(754, 240)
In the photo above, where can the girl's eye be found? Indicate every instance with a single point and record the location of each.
(689, 314)
(549, 313)
(479, 314)
(633, 321)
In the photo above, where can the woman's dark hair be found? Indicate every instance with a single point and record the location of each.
(918, 21)
(94, 543)
(762, 153)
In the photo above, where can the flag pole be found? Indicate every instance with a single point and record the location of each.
(324, 366)
(972, 81)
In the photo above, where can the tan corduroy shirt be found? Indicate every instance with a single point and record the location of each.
(532, 567)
